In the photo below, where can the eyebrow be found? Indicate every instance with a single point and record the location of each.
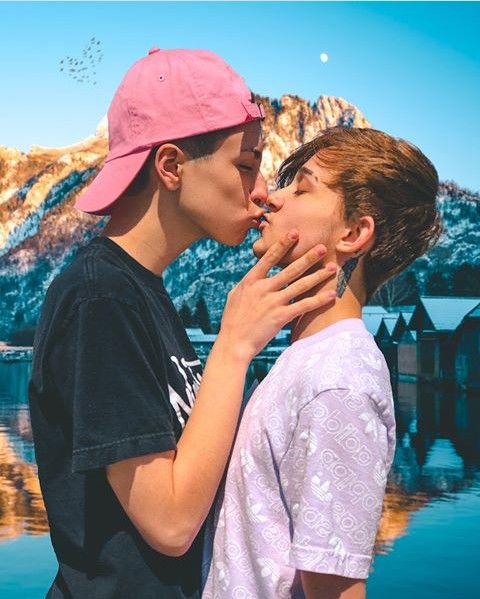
(303, 170)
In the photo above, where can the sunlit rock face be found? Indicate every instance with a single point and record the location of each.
(40, 231)
(291, 121)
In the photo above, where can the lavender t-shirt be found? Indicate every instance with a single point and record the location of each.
(307, 476)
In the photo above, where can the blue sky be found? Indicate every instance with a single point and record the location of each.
(413, 69)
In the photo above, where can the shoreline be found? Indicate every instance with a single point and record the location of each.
(15, 353)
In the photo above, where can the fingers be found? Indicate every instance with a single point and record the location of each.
(306, 283)
(272, 257)
(297, 268)
(319, 300)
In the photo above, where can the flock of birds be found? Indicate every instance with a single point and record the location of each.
(84, 69)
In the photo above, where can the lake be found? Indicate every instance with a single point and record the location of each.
(429, 538)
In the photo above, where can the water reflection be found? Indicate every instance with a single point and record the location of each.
(437, 456)
(21, 506)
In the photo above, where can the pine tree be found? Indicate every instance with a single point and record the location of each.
(466, 280)
(201, 316)
(437, 284)
(186, 315)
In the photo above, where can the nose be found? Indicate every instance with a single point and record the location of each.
(259, 193)
(275, 201)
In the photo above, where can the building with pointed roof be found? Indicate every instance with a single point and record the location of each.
(406, 342)
(385, 340)
(467, 351)
(372, 317)
(436, 320)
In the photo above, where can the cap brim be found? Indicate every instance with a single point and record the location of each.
(111, 181)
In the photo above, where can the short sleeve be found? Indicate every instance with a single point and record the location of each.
(110, 380)
(334, 476)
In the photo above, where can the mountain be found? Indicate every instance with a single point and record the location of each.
(460, 241)
(40, 231)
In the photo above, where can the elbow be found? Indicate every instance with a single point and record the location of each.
(172, 542)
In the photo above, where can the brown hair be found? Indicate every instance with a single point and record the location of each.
(387, 178)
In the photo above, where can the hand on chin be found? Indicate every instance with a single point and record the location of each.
(259, 248)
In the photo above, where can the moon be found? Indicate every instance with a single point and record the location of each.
(324, 57)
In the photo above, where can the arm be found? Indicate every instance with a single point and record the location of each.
(168, 495)
(335, 467)
(330, 586)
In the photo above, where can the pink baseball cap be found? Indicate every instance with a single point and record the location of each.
(167, 95)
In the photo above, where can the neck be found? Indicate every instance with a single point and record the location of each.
(154, 236)
(349, 305)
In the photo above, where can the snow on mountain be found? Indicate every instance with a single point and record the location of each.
(40, 231)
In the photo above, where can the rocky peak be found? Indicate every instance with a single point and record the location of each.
(291, 121)
(40, 231)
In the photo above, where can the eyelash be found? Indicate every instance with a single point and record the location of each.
(298, 192)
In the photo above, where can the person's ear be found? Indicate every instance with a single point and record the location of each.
(357, 237)
(169, 161)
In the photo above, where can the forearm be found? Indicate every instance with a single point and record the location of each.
(167, 496)
(330, 586)
(206, 441)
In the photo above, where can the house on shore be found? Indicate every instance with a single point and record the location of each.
(385, 340)
(437, 340)
(390, 327)
(435, 321)
(406, 341)
(372, 316)
(467, 351)
(203, 342)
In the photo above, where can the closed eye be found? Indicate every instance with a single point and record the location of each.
(298, 192)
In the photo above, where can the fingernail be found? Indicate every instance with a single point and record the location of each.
(293, 235)
(321, 249)
(331, 266)
(331, 293)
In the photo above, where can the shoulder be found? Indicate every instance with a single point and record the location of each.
(94, 273)
(95, 279)
(349, 422)
(347, 370)
(346, 361)
(347, 403)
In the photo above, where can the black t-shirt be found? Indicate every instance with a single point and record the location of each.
(114, 376)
